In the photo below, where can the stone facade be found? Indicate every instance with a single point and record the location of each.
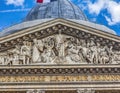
(60, 49)
(60, 56)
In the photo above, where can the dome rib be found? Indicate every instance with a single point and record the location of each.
(73, 8)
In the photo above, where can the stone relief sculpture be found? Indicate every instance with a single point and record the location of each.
(117, 57)
(60, 49)
(13, 56)
(25, 53)
(18, 55)
(72, 52)
(3, 58)
(48, 54)
(37, 50)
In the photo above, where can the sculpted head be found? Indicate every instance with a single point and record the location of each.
(35, 41)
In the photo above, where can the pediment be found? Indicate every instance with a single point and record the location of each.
(59, 42)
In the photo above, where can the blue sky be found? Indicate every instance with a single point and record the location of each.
(106, 12)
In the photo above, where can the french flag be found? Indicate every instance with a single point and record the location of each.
(45, 1)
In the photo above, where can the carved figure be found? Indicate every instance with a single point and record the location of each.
(3, 58)
(111, 55)
(72, 53)
(117, 57)
(13, 56)
(60, 45)
(61, 49)
(37, 51)
(82, 52)
(106, 55)
(25, 53)
(96, 52)
(48, 54)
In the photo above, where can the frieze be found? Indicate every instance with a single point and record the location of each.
(41, 79)
(60, 79)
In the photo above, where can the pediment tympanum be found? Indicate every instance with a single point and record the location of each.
(60, 44)
(59, 49)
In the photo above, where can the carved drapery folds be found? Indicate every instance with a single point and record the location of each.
(60, 49)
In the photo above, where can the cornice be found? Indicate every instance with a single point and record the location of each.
(59, 70)
(42, 31)
(68, 23)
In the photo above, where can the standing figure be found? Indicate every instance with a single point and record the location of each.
(48, 54)
(104, 55)
(13, 56)
(37, 51)
(111, 55)
(25, 53)
(60, 46)
(3, 58)
(95, 53)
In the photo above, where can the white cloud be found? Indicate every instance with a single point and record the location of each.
(114, 10)
(112, 7)
(15, 10)
(15, 2)
(95, 8)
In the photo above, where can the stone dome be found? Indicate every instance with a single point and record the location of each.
(45, 12)
(57, 9)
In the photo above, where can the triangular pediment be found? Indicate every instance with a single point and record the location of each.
(67, 26)
(59, 42)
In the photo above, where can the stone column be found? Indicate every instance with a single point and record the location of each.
(35, 91)
(85, 91)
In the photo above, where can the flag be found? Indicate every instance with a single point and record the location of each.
(45, 1)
